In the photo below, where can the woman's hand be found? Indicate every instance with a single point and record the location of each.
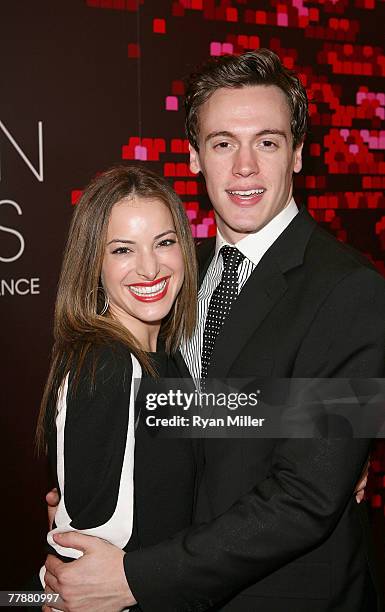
(52, 498)
(360, 487)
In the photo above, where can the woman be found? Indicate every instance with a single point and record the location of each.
(128, 285)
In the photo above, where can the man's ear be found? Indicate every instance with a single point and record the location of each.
(298, 158)
(195, 165)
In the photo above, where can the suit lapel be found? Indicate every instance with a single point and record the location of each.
(205, 253)
(265, 287)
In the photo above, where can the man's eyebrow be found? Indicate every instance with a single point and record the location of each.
(273, 132)
(124, 241)
(227, 134)
(223, 133)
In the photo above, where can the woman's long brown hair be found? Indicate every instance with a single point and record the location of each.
(77, 325)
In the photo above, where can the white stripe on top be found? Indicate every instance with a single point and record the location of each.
(118, 528)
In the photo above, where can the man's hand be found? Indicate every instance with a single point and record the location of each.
(94, 582)
(360, 487)
(52, 498)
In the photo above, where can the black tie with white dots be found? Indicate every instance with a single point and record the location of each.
(221, 302)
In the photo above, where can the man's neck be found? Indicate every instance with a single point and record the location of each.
(254, 245)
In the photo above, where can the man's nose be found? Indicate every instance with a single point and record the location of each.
(245, 161)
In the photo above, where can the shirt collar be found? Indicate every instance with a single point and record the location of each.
(254, 246)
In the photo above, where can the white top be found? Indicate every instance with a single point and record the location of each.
(86, 426)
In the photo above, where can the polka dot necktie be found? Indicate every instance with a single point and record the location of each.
(221, 302)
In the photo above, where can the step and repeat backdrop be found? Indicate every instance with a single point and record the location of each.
(86, 84)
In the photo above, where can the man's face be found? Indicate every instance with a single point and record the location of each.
(246, 156)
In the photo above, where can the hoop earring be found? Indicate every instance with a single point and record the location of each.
(106, 300)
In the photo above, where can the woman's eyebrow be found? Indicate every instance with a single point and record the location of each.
(124, 241)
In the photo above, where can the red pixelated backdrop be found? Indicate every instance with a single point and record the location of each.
(89, 83)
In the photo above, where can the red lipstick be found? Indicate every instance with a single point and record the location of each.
(138, 290)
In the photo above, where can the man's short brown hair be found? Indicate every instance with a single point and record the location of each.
(260, 67)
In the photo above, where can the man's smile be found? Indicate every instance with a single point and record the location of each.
(246, 197)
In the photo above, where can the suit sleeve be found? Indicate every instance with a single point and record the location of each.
(95, 449)
(310, 483)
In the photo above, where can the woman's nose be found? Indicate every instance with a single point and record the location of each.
(147, 265)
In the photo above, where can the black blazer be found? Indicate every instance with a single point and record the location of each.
(278, 526)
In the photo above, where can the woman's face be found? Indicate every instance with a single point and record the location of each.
(143, 268)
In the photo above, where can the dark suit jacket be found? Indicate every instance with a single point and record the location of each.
(278, 528)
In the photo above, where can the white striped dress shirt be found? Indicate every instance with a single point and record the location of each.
(253, 246)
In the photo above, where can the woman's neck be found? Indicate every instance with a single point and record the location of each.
(146, 333)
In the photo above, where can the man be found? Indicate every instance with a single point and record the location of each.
(277, 528)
